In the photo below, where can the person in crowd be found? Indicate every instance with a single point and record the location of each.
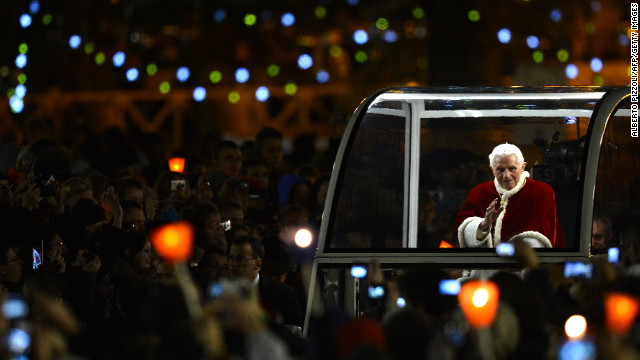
(212, 267)
(231, 211)
(206, 221)
(602, 232)
(511, 206)
(10, 268)
(245, 261)
(76, 188)
(227, 158)
(261, 207)
(173, 193)
(133, 216)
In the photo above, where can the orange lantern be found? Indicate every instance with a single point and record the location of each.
(176, 164)
(445, 245)
(173, 242)
(620, 311)
(479, 302)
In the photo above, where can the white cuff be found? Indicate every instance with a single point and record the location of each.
(467, 234)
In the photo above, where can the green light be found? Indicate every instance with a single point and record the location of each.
(563, 55)
(152, 69)
(473, 15)
(590, 28)
(598, 80)
(215, 76)
(538, 56)
(382, 24)
(47, 19)
(273, 70)
(234, 97)
(11, 92)
(321, 12)
(22, 78)
(290, 89)
(89, 47)
(335, 50)
(23, 48)
(250, 19)
(164, 87)
(418, 13)
(361, 57)
(100, 58)
(4, 71)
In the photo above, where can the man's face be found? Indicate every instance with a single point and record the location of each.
(507, 171)
(134, 194)
(135, 217)
(599, 236)
(272, 152)
(214, 266)
(229, 161)
(243, 263)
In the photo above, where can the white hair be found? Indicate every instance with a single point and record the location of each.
(504, 150)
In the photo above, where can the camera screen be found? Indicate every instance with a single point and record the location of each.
(578, 269)
(449, 287)
(376, 292)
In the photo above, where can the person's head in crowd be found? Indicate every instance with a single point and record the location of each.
(319, 190)
(245, 258)
(507, 164)
(88, 214)
(227, 158)
(290, 219)
(258, 169)
(277, 260)
(205, 219)
(98, 183)
(76, 188)
(237, 231)
(293, 190)
(420, 287)
(10, 266)
(137, 252)
(214, 265)
(53, 252)
(269, 147)
(602, 231)
(133, 218)
(232, 211)
(129, 189)
(173, 186)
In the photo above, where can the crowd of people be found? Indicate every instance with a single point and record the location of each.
(81, 279)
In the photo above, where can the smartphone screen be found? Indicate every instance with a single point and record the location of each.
(449, 287)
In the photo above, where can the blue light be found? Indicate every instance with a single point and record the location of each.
(360, 37)
(118, 59)
(75, 41)
(25, 20)
(21, 61)
(556, 15)
(219, 15)
(571, 71)
(613, 255)
(288, 19)
(132, 74)
(262, 94)
(16, 103)
(353, 2)
(623, 39)
(570, 120)
(533, 42)
(305, 61)
(21, 91)
(183, 74)
(242, 75)
(596, 65)
(199, 94)
(358, 271)
(577, 350)
(401, 302)
(323, 76)
(390, 36)
(504, 35)
(34, 7)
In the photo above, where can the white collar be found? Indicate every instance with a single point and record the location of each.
(504, 193)
(256, 280)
